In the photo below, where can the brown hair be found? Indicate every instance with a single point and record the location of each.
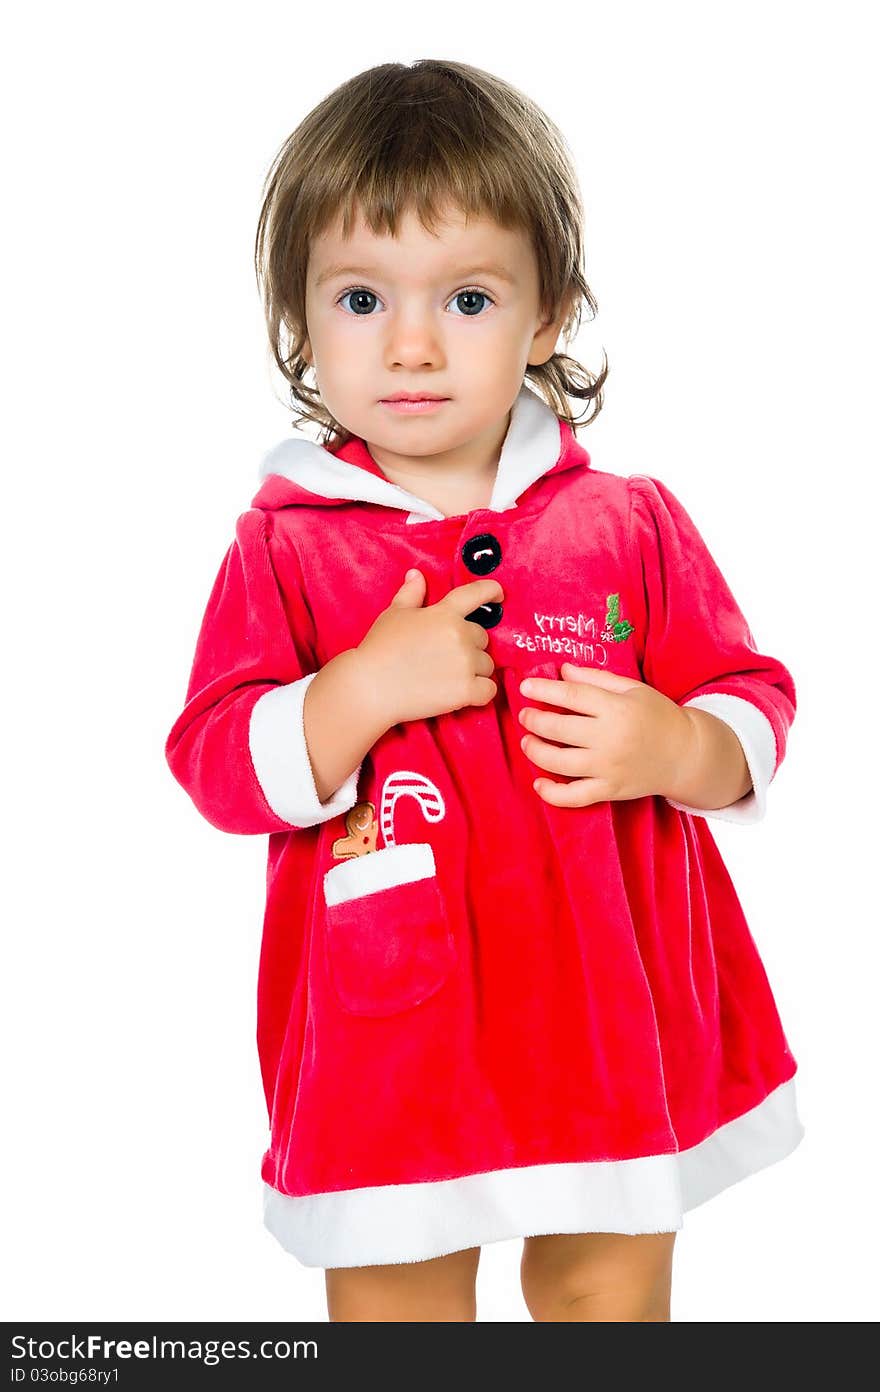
(422, 136)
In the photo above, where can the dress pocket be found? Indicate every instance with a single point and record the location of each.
(388, 940)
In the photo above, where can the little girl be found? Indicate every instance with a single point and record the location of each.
(485, 699)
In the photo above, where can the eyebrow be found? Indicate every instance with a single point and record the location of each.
(497, 271)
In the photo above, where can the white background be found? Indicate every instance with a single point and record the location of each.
(727, 159)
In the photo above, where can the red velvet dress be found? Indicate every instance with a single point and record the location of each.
(481, 1016)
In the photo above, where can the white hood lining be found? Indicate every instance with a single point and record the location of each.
(531, 447)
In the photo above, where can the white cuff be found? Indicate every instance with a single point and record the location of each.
(755, 734)
(280, 757)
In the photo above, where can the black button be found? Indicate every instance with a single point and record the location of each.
(482, 553)
(488, 615)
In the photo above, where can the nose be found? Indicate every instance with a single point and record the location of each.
(412, 340)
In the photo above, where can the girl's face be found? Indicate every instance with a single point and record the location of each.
(456, 315)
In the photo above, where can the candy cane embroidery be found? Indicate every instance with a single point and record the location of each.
(616, 629)
(407, 784)
(362, 827)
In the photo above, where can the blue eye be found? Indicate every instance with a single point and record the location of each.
(471, 295)
(361, 294)
(363, 310)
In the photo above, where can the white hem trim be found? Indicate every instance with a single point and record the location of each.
(414, 1222)
(755, 734)
(280, 756)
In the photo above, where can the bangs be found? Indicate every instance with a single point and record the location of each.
(420, 157)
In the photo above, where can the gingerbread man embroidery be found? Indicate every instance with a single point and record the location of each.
(362, 828)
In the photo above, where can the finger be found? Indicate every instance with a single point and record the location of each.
(574, 763)
(584, 697)
(483, 663)
(464, 599)
(488, 690)
(584, 792)
(565, 729)
(412, 587)
(476, 634)
(597, 676)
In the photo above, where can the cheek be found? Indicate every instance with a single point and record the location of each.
(497, 352)
(334, 357)
(341, 346)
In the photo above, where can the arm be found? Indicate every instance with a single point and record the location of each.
(700, 652)
(238, 747)
(716, 774)
(342, 721)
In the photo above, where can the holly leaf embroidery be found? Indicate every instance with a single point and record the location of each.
(616, 627)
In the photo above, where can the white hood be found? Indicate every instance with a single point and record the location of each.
(531, 448)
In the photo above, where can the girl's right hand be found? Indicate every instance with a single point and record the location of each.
(423, 661)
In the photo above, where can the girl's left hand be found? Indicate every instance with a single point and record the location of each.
(626, 739)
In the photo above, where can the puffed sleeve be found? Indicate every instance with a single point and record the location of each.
(699, 650)
(238, 746)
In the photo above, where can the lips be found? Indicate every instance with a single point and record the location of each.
(422, 396)
(420, 406)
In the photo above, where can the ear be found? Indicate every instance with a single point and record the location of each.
(544, 340)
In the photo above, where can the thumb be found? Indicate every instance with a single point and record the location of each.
(411, 591)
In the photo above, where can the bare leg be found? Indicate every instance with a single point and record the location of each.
(598, 1276)
(440, 1289)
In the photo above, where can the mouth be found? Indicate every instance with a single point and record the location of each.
(415, 396)
(413, 405)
